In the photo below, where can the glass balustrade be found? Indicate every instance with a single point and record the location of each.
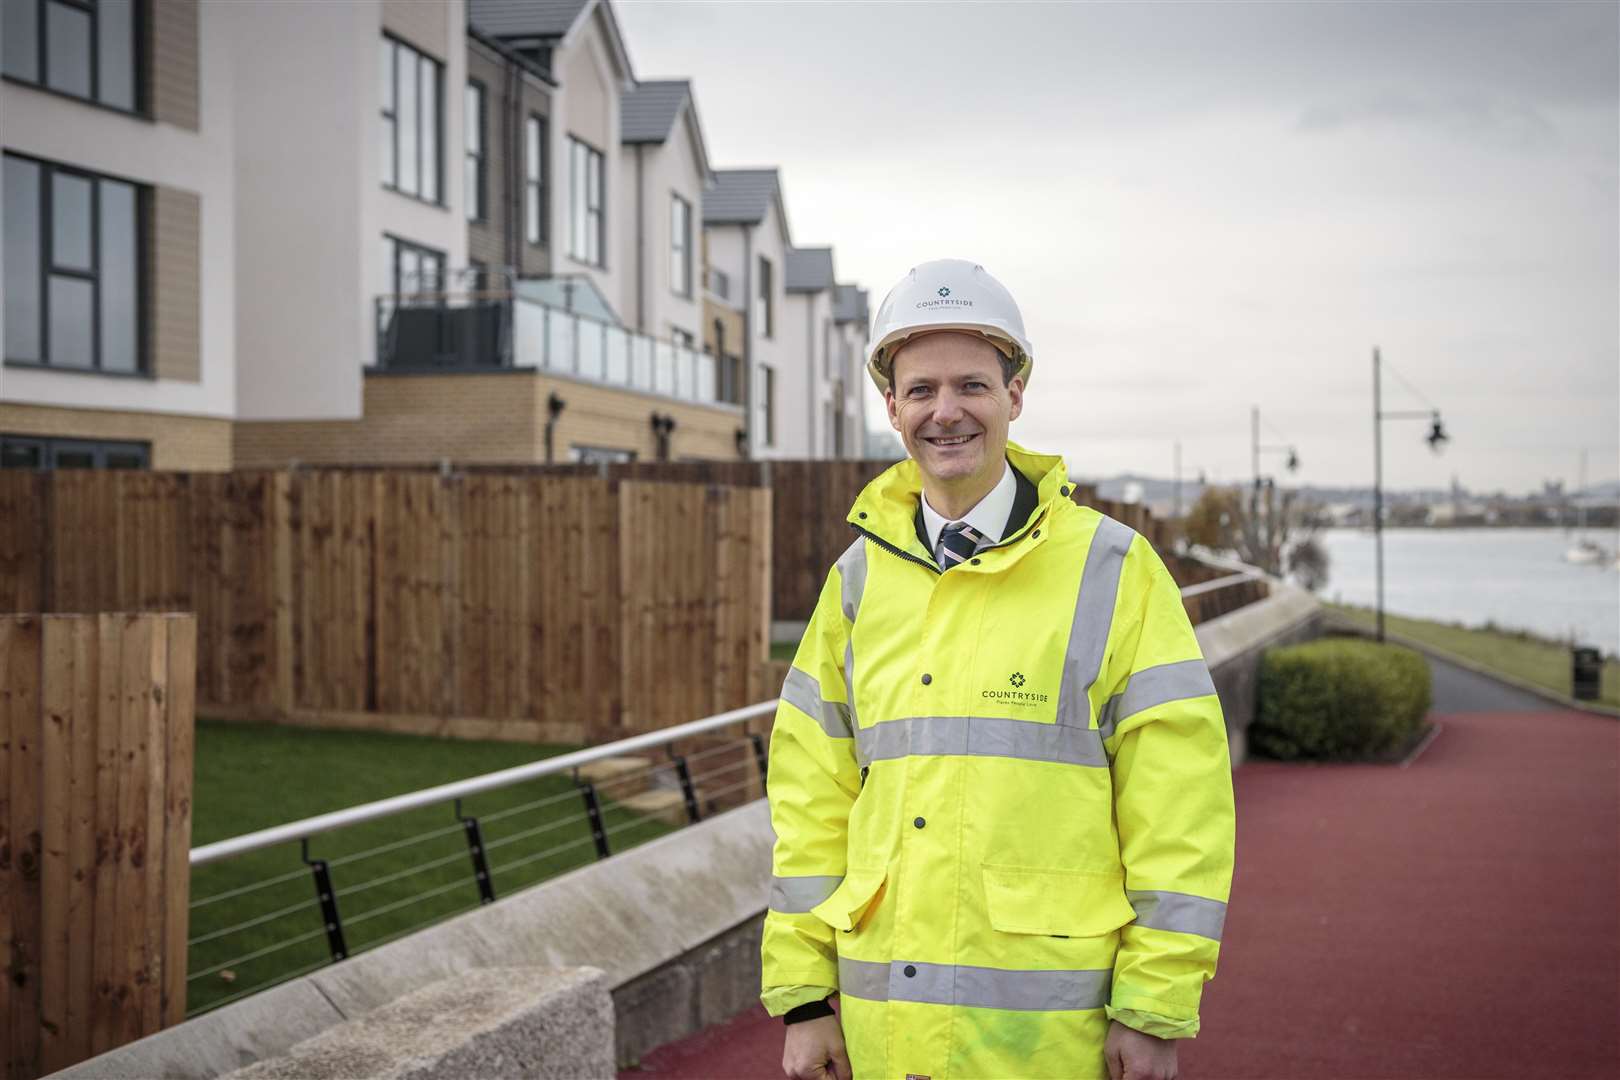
(555, 340)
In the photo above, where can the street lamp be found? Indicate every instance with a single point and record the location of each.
(1436, 438)
(1291, 463)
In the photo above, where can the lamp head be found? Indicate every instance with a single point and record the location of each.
(1437, 437)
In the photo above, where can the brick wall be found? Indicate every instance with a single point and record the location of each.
(487, 418)
(179, 443)
(174, 300)
(171, 49)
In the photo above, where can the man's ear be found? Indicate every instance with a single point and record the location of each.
(894, 411)
(1015, 390)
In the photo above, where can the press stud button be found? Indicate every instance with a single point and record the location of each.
(927, 678)
(910, 971)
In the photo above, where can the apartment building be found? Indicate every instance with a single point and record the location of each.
(746, 229)
(852, 320)
(119, 235)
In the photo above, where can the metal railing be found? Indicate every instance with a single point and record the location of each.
(277, 925)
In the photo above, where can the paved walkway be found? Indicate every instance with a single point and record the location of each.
(1457, 918)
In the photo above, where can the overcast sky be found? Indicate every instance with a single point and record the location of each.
(1202, 207)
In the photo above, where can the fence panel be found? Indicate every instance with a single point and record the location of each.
(95, 811)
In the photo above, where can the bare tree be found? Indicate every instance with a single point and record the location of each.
(1260, 530)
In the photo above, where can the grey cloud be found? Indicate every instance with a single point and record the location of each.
(1515, 124)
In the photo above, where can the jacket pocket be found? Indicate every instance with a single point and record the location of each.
(1057, 903)
(849, 903)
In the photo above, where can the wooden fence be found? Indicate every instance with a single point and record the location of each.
(501, 604)
(95, 832)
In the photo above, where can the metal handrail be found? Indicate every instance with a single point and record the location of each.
(1219, 583)
(461, 789)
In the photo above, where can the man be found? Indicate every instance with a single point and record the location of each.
(998, 775)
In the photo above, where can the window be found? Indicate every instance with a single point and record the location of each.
(86, 48)
(767, 405)
(73, 259)
(534, 160)
(680, 245)
(764, 309)
(411, 268)
(412, 118)
(585, 204)
(30, 452)
(600, 455)
(475, 167)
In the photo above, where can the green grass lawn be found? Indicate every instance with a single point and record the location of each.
(783, 650)
(255, 920)
(1544, 663)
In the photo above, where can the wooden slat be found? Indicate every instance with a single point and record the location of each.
(56, 871)
(10, 881)
(147, 1012)
(82, 841)
(133, 780)
(23, 900)
(179, 741)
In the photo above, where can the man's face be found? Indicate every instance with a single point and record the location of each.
(947, 401)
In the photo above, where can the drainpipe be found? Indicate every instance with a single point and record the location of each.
(513, 152)
(641, 248)
(748, 334)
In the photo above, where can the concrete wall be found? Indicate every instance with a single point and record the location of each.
(185, 153)
(1232, 645)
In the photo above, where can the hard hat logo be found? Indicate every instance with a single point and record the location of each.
(944, 290)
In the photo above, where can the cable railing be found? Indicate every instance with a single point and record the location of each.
(257, 924)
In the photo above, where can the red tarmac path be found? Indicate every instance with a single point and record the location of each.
(1458, 918)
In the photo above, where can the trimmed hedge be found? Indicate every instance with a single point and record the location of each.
(1339, 699)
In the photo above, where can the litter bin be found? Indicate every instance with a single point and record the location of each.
(1586, 672)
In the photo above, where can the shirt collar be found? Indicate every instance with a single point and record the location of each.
(988, 516)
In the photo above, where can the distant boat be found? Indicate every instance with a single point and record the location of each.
(1585, 552)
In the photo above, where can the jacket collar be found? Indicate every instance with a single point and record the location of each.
(889, 506)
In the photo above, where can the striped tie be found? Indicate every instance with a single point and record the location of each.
(956, 543)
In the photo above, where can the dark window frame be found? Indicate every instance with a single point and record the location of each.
(767, 392)
(477, 200)
(539, 235)
(47, 228)
(421, 250)
(397, 44)
(140, 22)
(685, 247)
(767, 297)
(595, 215)
(49, 447)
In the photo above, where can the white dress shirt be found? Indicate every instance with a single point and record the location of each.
(988, 516)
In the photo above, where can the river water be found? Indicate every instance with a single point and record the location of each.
(1517, 578)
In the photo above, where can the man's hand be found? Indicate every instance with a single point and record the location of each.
(1134, 1056)
(814, 1050)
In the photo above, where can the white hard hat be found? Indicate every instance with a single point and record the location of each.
(947, 294)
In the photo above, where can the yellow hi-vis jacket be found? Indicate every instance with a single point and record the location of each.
(1001, 796)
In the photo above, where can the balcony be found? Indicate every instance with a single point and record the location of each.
(496, 330)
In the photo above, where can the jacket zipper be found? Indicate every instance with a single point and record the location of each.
(906, 555)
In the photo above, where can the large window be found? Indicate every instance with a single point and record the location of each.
(411, 268)
(534, 183)
(73, 246)
(680, 245)
(475, 167)
(764, 305)
(585, 204)
(87, 48)
(412, 119)
(33, 452)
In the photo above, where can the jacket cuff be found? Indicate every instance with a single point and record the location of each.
(810, 1010)
(1150, 1022)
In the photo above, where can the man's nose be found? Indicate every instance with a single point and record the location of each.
(947, 407)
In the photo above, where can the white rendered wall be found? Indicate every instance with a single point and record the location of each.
(781, 351)
(104, 141)
(672, 168)
(587, 106)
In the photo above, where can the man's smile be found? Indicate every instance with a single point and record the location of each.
(949, 440)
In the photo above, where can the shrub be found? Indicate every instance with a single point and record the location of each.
(1339, 699)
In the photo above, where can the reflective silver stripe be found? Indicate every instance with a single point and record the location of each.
(849, 681)
(796, 895)
(1155, 686)
(1179, 912)
(1093, 617)
(803, 692)
(974, 987)
(978, 736)
(852, 574)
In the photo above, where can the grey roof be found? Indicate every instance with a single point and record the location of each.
(850, 304)
(808, 269)
(647, 113)
(740, 196)
(525, 18)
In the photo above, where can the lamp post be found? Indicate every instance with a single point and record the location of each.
(1436, 438)
(1292, 465)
